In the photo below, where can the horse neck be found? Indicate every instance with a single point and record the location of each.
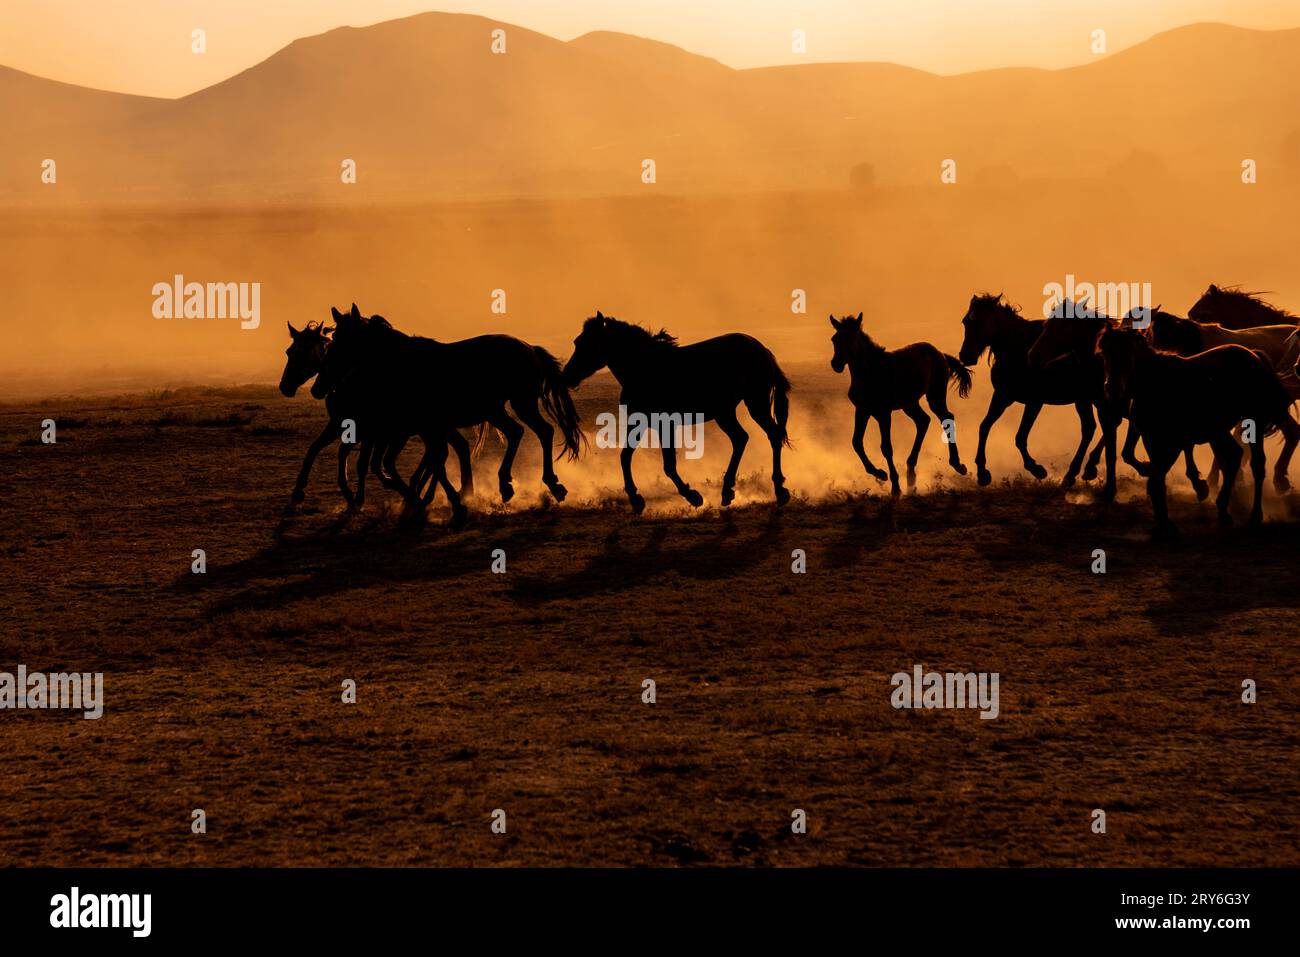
(630, 358)
(1013, 333)
(868, 358)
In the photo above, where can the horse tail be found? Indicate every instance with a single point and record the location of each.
(958, 373)
(558, 403)
(780, 400)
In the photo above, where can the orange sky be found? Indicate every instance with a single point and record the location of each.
(143, 46)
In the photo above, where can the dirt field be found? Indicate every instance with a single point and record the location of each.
(522, 691)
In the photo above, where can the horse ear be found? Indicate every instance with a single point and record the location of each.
(600, 315)
(835, 322)
(356, 313)
(859, 317)
(292, 331)
(336, 314)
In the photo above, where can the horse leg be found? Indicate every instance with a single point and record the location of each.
(1290, 438)
(635, 499)
(1229, 454)
(436, 453)
(883, 419)
(761, 413)
(733, 430)
(514, 433)
(327, 435)
(997, 405)
(1194, 474)
(461, 447)
(939, 406)
(1110, 417)
(1257, 470)
(345, 448)
(1129, 452)
(527, 410)
(363, 466)
(668, 445)
(1161, 461)
(917, 415)
(1087, 427)
(860, 417)
(1022, 439)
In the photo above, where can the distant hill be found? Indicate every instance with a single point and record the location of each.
(427, 110)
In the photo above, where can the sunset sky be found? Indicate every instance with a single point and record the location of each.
(143, 46)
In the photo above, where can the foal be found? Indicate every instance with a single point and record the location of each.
(882, 381)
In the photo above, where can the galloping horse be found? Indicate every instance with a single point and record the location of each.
(1177, 402)
(882, 381)
(411, 385)
(1278, 343)
(995, 325)
(306, 358)
(707, 379)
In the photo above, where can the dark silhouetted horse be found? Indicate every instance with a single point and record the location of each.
(1178, 402)
(411, 385)
(882, 381)
(306, 357)
(995, 325)
(708, 379)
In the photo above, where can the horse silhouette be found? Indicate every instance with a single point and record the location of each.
(305, 359)
(1178, 401)
(882, 380)
(992, 324)
(708, 379)
(412, 385)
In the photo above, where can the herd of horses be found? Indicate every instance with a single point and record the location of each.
(1225, 373)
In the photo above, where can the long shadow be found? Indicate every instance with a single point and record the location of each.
(722, 553)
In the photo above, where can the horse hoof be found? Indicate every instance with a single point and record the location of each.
(782, 495)
(729, 496)
(958, 468)
(693, 497)
(911, 478)
(297, 496)
(1089, 472)
(1143, 469)
(880, 475)
(895, 491)
(1067, 482)
(559, 492)
(1202, 490)
(507, 491)
(1037, 471)
(459, 516)
(1107, 494)
(637, 503)
(1256, 520)
(984, 477)
(1164, 532)
(1281, 484)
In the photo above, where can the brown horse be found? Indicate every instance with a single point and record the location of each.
(881, 381)
(1234, 308)
(1178, 402)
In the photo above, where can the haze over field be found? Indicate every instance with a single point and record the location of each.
(522, 172)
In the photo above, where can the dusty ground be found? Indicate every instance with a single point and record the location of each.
(522, 691)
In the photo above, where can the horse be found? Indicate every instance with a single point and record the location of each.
(410, 384)
(662, 380)
(1278, 343)
(882, 380)
(993, 324)
(305, 358)
(1233, 308)
(1180, 401)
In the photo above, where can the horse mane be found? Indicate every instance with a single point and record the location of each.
(1242, 297)
(661, 338)
(997, 299)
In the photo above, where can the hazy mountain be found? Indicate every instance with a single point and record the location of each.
(425, 108)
